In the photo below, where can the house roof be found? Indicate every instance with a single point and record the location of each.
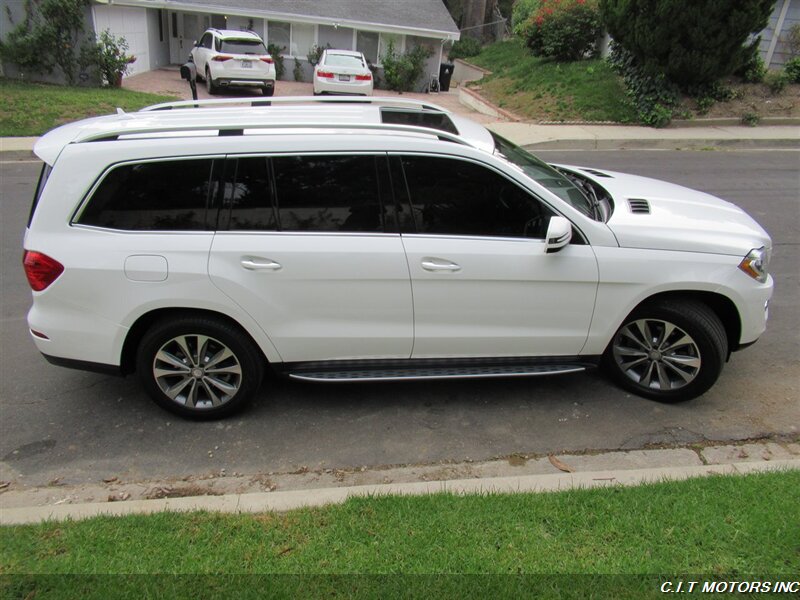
(407, 16)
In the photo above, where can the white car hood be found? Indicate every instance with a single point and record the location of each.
(679, 219)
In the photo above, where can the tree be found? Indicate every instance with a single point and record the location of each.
(49, 36)
(693, 43)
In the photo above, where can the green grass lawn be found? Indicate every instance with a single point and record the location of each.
(34, 108)
(544, 90)
(716, 526)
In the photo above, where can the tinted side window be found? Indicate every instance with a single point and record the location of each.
(250, 196)
(206, 41)
(456, 197)
(153, 196)
(328, 193)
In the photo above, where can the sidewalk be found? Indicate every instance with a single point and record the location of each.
(308, 488)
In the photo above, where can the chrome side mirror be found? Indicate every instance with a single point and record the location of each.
(559, 234)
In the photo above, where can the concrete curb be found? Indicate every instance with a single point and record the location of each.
(288, 500)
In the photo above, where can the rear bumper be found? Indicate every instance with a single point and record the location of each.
(238, 82)
(351, 87)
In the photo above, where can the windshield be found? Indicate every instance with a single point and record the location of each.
(243, 47)
(543, 174)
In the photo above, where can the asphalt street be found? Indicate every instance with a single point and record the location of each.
(81, 427)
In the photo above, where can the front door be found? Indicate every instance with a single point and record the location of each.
(481, 281)
(184, 30)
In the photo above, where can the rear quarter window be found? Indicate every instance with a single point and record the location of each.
(43, 177)
(152, 196)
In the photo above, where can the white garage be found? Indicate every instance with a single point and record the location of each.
(130, 23)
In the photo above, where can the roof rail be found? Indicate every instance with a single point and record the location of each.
(375, 100)
(133, 128)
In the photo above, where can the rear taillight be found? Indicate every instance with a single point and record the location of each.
(221, 58)
(325, 74)
(40, 269)
(267, 59)
(363, 77)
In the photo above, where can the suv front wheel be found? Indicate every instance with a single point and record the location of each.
(668, 351)
(199, 367)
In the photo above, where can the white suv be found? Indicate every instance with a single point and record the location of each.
(372, 239)
(226, 58)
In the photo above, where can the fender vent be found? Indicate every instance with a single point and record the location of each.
(639, 206)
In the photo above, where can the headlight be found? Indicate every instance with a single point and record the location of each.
(755, 264)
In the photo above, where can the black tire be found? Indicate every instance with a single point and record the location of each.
(206, 393)
(211, 87)
(268, 90)
(682, 363)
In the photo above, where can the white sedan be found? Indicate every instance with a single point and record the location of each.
(342, 72)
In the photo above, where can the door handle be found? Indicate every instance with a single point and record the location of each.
(430, 264)
(260, 264)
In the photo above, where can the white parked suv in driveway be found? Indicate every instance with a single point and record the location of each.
(372, 239)
(227, 58)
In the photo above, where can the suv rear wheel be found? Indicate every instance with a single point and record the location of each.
(210, 87)
(199, 367)
(669, 351)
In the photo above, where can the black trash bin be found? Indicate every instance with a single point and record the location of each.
(445, 74)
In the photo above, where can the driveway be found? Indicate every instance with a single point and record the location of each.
(168, 81)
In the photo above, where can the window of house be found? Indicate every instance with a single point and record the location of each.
(339, 38)
(279, 34)
(152, 196)
(367, 44)
(457, 197)
(302, 39)
(383, 44)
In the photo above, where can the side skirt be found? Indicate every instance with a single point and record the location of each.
(449, 368)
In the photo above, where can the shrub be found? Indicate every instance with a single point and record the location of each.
(521, 13)
(315, 54)
(47, 37)
(792, 69)
(776, 81)
(464, 48)
(276, 52)
(401, 71)
(108, 55)
(653, 97)
(692, 43)
(298, 70)
(564, 29)
(751, 118)
(754, 69)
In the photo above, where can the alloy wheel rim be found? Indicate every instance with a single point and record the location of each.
(197, 371)
(656, 354)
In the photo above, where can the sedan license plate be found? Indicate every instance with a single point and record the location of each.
(344, 77)
(247, 64)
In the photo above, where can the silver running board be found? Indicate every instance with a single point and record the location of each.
(463, 372)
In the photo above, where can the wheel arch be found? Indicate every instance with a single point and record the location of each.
(145, 321)
(721, 305)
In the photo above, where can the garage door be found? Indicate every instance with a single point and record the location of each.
(131, 24)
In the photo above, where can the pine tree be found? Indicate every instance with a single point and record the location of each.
(692, 42)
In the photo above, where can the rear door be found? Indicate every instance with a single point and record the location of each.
(482, 283)
(305, 246)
